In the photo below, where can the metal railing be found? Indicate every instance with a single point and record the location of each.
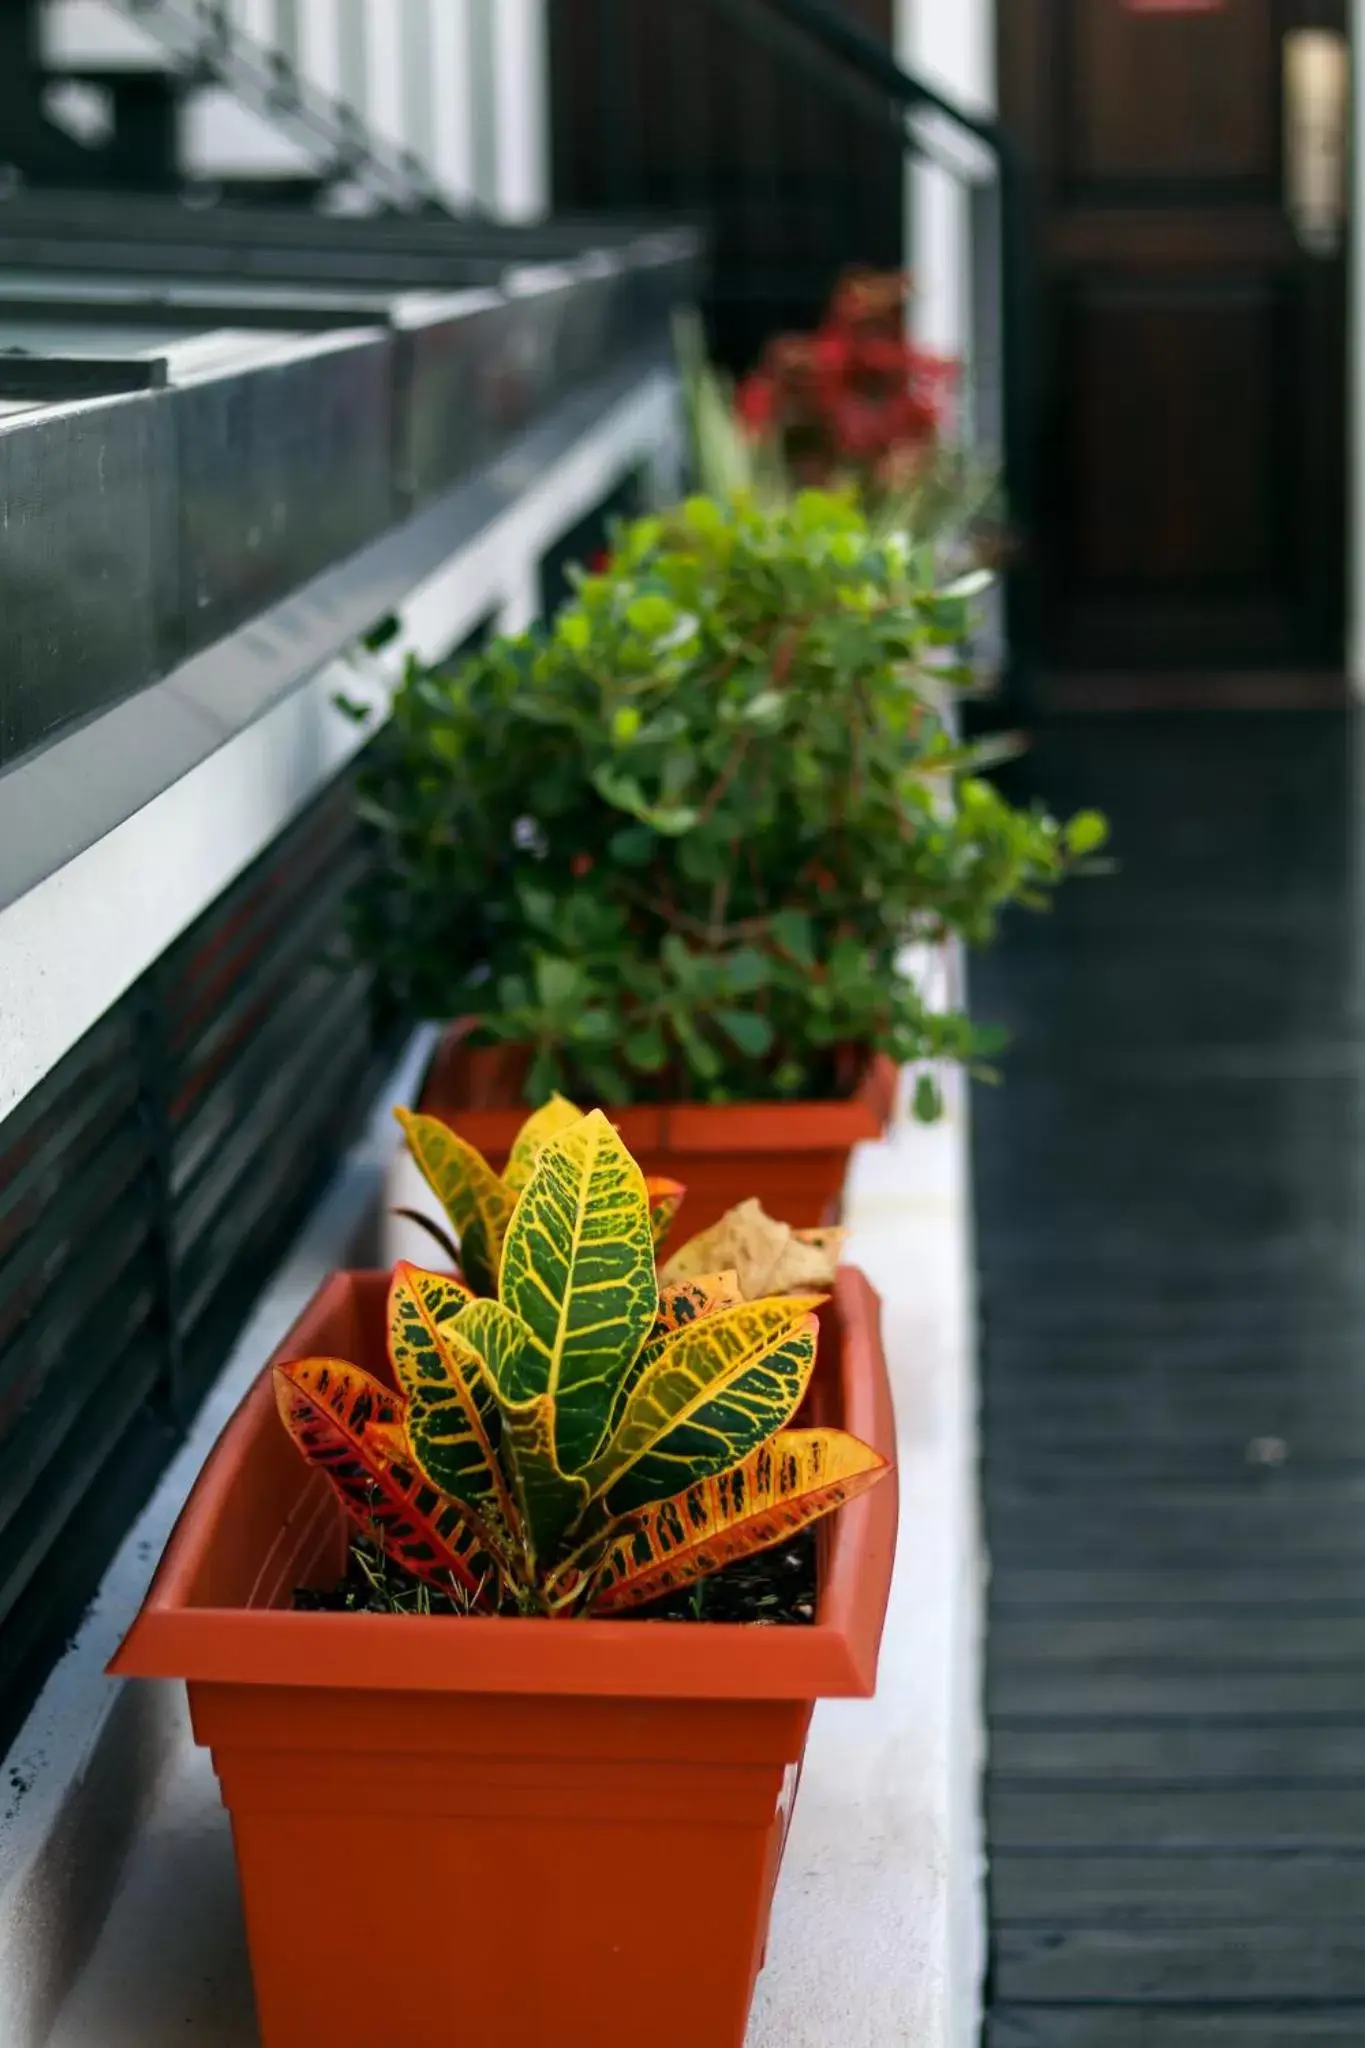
(210, 46)
(979, 156)
(784, 129)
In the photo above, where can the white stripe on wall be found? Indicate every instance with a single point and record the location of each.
(951, 46)
(521, 97)
(453, 148)
(383, 104)
(320, 44)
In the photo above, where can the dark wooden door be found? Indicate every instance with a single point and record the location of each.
(698, 108)
(1190, 353)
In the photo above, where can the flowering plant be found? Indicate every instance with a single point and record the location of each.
(857, 399)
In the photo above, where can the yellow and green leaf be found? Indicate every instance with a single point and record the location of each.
(548, 1500)
(665, 1200)
(781, 1489)
(351, 1428)
(578, 1270)
(555, 1117)
(716, 1389)
(687, 1301)
(454, 1423)
(476, 1201)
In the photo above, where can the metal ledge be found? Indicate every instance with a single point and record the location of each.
(60, 800)
(118, 835)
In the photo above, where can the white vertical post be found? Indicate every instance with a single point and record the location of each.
(521, 62)
(951, 47)
(384, 83)
(419, 82)
(320, 45)
(452, 81)
(521, 604)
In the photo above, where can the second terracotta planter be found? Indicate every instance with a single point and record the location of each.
(793, 1156)
(504, 1832)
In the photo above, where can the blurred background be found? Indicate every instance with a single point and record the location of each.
(335, 334)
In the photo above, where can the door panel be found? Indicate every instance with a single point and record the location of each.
(1156, 98)
(1191, 357)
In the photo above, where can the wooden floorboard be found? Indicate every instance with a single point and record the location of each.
(1171, 1231)
(1159, 2025)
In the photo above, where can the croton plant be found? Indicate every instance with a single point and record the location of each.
(585, 1439)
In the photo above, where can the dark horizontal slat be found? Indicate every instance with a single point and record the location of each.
(1076, 1360)
(128, 1381)
(278, 1050)
(202, 973)
(269, 1171)
(90, 1108)
(1243, 1962)
(1275, 2025)
(50, 1255)
(1132, 1891)
(1178, 1533)
(276, 1201)
(69, 1335)
(288, 1017)
(280, 1112)
(1193, 1754)
(59, 1430)
(1276, 1584)
(1222, 1819)
(39, 1623)
(1164, 1644)
(1040, 1694)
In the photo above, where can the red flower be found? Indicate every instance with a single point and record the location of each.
(756, 404)
(863, 428)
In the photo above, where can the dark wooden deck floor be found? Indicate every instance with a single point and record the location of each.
(1171, 1203)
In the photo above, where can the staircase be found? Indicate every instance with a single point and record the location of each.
(417, 106)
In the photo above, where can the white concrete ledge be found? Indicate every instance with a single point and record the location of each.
(877, 1934)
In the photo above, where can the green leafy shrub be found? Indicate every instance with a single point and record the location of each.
(677, 843)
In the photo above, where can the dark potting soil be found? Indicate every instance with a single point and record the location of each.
(777, 1587)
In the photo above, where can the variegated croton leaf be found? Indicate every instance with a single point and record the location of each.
(778, 1491)
(351, 1427)
(578, 1269)
(478, 1204)
(578, 1440)
(453, 1419)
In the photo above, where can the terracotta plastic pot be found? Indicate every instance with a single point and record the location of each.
(792, 1155)
(500, 1832)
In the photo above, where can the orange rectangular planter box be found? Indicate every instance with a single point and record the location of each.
(793, 1156)
(508, 1833)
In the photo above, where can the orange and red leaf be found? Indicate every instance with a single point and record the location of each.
(665, 1200)
(351, 1428)
(801, 1475)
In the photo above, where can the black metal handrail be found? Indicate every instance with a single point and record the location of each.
(812, 32)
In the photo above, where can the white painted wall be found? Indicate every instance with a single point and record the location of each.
(463, 83)
(951, 44)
